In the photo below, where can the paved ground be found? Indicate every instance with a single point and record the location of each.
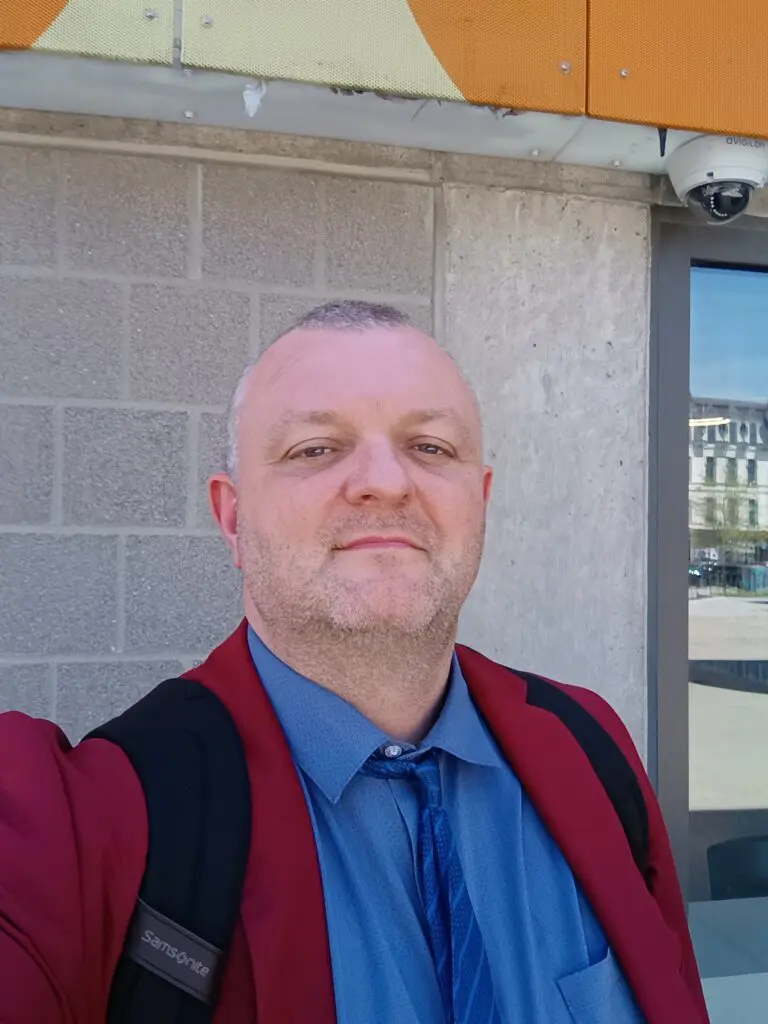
(728, 628)
(728, 728)
(728, 749)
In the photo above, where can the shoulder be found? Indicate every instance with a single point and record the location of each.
(607, 716)
(507, 679)
(39, 768)
(73, 839)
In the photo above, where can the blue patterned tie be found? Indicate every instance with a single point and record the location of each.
(454, 935)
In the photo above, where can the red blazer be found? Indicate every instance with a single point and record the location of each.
(73, 840)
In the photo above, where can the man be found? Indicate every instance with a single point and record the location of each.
(427, 846)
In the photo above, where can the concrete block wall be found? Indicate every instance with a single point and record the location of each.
(134, 285)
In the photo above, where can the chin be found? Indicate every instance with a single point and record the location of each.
(380, 624)
(400, 613)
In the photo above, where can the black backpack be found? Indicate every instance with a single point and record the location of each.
(189, 758)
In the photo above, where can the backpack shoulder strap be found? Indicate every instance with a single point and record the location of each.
(608, 762)
(188, 755)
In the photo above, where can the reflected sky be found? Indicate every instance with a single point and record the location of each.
(729, 334)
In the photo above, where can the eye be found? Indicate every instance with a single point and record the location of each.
(315, 451)
(431, 448)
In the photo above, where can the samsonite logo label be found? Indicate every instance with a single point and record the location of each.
(173, 953)
(179, 955)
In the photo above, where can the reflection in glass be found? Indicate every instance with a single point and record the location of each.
(728, 638)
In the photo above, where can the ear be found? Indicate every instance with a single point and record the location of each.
(222, 498)
(487, 483)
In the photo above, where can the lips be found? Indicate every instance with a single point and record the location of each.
(375, 541)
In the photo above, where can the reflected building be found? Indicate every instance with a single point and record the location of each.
(728, 482)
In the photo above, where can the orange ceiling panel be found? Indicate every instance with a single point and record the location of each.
(511, 53)
(700, 65)
(22, 22)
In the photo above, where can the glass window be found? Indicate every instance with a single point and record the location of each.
(732, 512)
(710, 517)
(728, 641)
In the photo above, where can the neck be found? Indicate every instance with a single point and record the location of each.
(398, 682)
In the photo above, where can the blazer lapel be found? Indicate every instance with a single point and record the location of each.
(283, 909)
(559, 781)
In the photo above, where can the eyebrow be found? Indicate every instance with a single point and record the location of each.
(328, 418)
(317, 418)
(431, 415)
(445, 415)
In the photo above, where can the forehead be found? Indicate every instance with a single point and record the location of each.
(384, 371)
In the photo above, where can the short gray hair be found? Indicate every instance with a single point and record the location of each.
(346, 315)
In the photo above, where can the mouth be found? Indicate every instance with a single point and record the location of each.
(379, 542)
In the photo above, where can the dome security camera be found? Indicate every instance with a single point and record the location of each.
(715, 175)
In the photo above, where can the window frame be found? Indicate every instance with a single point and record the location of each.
(677, 244)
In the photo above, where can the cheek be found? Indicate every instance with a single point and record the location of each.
(469, 525)
(290, 513)
(457, 508)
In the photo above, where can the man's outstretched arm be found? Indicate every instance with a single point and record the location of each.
(72, 849)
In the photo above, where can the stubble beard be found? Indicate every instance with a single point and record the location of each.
(300, 606)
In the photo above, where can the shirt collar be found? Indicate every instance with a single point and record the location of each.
(330, 740)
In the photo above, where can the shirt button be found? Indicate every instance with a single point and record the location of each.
(392, 750)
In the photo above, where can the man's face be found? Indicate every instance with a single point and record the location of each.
(360, 496)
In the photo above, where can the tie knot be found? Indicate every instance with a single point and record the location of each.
(425, 772)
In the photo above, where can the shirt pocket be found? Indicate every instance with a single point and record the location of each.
(599, 994)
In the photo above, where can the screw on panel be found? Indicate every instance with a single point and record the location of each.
(151, 15)
(565, 67)
(207, 21)
(624, 72)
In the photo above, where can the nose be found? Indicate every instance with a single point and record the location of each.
(378, 473)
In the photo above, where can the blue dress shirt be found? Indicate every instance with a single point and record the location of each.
(548, 955)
